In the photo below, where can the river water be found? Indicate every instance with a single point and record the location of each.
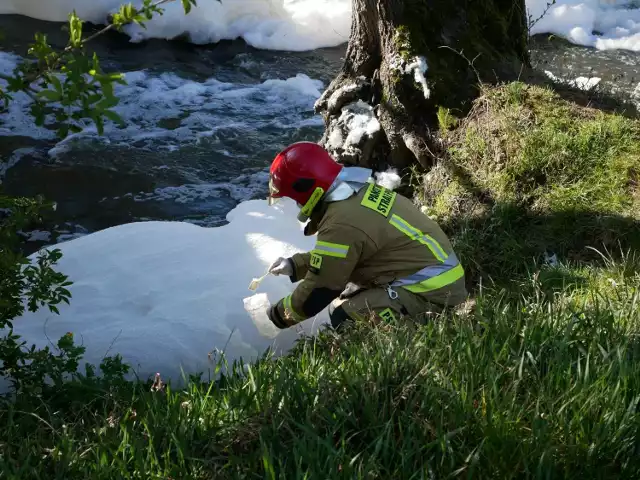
(203, 124)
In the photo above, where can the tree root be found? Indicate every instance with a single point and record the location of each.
(342, 91)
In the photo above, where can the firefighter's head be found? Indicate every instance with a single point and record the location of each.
(303, 172)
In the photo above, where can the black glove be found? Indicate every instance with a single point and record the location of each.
(274, 316)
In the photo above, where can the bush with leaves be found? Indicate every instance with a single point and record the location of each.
(30, 285)
(71, 85)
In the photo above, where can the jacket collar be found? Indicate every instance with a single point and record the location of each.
(348, 183)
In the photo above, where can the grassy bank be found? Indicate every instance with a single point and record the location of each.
(529, 175)
(540, 380)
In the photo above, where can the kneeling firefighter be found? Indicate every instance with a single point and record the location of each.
(376, 253)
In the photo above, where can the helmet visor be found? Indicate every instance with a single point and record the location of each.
(274, 193)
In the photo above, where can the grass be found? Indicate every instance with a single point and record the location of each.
(529, 174)
(544, 387)
(541, 379)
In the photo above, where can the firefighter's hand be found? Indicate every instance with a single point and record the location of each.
(282, 266)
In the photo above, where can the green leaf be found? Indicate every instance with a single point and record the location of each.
(6, 98)
(107, 89)
(94, 98)
(41, 48)
(129, 12)
(75, 30)
(106, 103)
(116, 77)
(186, 4)
(50, 95)
(114, 117)
(37, 110)
(99, 124)
(15, 84)
(56, 83)
(63, 131)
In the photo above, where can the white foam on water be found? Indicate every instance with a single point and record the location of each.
(165, 294)
(64, 235)
(207, 108)
(602, 24)
(58, 10)
(239, 189)
(196, 111)
(294, 25)
(16, 119)
(37, 236)
(309, 24)
(582, 83)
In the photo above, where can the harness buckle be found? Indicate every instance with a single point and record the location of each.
(393, 295)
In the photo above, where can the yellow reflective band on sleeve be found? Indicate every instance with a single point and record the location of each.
(288, 310)
(415, 234)
(379, 199)
(438, 281)
(331, 249)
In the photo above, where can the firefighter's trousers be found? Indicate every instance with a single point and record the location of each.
(383, 304)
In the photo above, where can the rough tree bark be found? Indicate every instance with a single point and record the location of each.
(460, 42)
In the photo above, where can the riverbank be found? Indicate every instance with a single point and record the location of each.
(539, 379)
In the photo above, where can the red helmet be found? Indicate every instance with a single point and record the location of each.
(304, 172)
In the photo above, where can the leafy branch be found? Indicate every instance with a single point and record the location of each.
(533, 21)
(70, 84)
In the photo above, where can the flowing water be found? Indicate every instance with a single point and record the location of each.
(203, 123)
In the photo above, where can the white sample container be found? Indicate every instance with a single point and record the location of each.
(256, 306)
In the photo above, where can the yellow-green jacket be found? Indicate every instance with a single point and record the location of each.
(374, 238)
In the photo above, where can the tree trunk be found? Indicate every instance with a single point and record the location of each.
(380, 101)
